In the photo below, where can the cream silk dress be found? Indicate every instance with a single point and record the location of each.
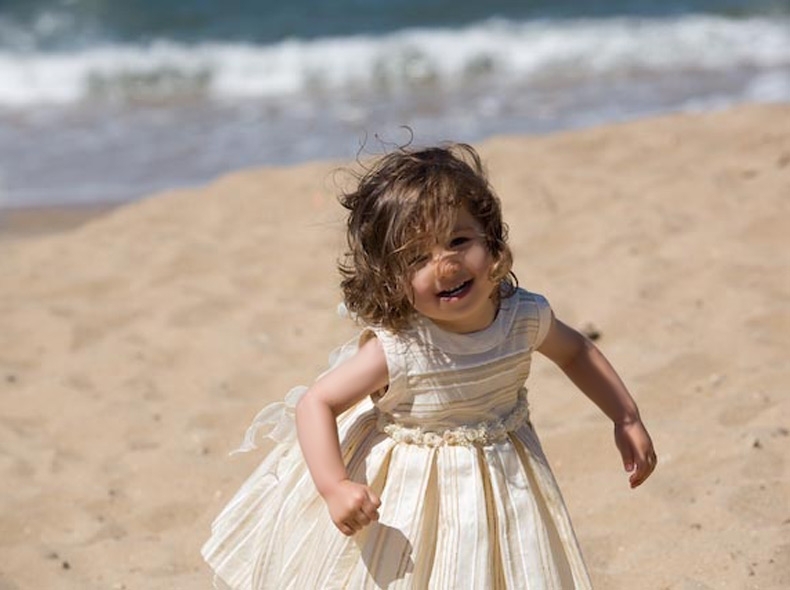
(467, 497)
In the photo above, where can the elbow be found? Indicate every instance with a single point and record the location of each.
(300, 406)
(304, 407)
(311, 403)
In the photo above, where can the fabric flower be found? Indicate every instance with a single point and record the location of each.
(483, 433)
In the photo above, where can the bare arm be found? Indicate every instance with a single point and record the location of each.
(589, 370)
(351, 505)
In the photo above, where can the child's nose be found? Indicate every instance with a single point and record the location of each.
(447, 265)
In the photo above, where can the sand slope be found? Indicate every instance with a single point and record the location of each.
(134, 351)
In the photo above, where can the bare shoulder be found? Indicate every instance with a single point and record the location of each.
(371, 351)
(362, 374)
(369, 362)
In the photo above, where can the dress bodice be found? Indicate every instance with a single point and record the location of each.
(441, 380)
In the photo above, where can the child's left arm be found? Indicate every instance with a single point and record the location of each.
(589, 370)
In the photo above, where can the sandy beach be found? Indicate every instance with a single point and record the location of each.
(137, 344)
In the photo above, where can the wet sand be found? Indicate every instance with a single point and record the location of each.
(23, 222)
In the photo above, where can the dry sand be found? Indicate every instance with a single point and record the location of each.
(136, 348)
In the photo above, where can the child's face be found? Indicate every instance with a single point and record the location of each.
(452, 285)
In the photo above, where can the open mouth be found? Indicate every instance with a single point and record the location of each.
(458, 291)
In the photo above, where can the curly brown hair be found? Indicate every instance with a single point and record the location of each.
(403, 204)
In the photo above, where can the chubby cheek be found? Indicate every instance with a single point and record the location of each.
(422, 283)
(480, 260)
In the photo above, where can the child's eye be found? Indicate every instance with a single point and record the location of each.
(458, 241)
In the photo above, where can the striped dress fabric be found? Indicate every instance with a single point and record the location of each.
(467, 497)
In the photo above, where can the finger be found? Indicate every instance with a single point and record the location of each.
(346, 529)
(640, 467)
(374, 499)
(628, 460)
(644, 468)
(370, 507)
(638, 476)
(370, 513)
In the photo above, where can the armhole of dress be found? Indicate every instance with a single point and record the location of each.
(544, 319)
(367, 335)
(389, 355)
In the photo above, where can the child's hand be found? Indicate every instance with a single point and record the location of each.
(352, 506)
(636, 448)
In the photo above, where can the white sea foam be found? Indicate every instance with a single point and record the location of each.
(770, 87)
(496, 53)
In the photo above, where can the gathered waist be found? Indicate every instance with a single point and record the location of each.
(478, 434)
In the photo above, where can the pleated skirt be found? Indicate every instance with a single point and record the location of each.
(451, 517)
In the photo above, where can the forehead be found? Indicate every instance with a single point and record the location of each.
(465, 220)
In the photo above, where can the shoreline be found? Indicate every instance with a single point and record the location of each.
(37, 220)
(25, 221)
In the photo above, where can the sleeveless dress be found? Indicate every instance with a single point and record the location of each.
(467, 497)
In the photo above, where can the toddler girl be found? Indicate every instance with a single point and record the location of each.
(419, 467)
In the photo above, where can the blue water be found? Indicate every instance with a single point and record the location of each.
(105, 100)
(79, 23)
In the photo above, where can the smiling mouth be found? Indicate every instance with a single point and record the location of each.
(458, 291)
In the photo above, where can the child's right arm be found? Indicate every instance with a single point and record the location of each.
(351, 505)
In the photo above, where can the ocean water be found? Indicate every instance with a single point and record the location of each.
(108, 101)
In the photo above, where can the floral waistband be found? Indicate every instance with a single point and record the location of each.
(480, 434)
